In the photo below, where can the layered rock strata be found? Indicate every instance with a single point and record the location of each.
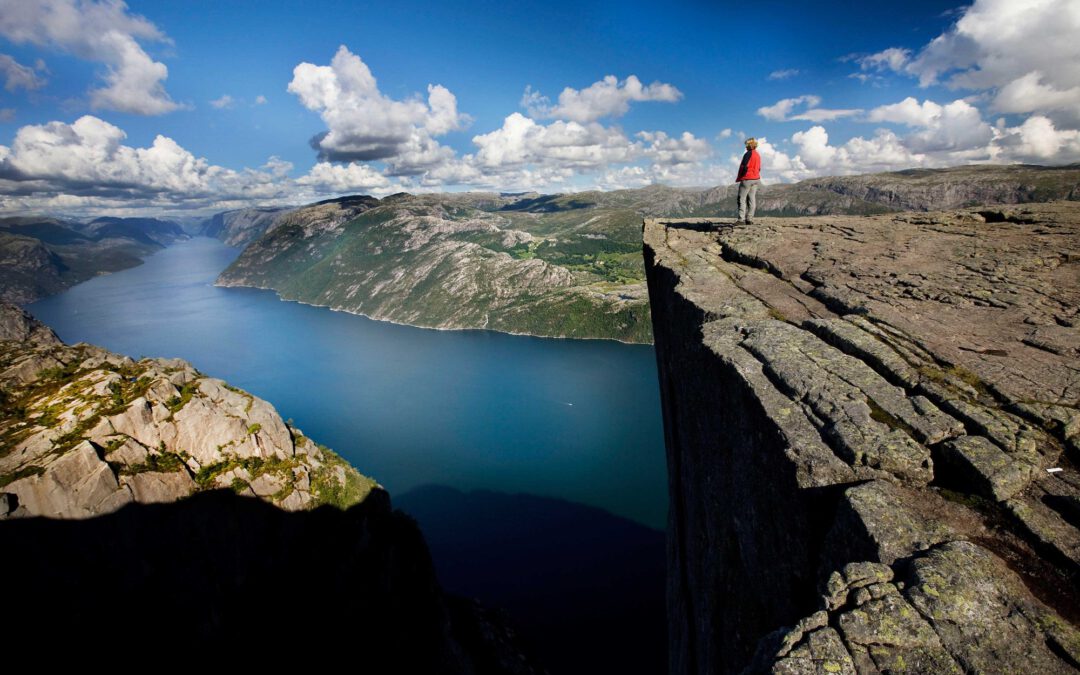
(872, 427)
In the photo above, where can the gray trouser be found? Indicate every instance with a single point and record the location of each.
(748, 193)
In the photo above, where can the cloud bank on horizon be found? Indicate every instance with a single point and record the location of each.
(1004, 78)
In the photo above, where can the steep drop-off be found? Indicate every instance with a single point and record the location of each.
(872, 427)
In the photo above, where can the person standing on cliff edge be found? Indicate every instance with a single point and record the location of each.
(748, 179)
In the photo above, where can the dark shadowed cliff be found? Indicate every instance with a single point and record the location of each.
(148, 508)
(239, 581)
(585, 587)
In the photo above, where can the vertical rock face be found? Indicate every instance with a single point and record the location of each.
(860, 415)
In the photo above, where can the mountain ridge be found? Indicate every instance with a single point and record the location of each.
(41, 256)
(550, 265)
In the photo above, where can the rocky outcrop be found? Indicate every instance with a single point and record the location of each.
(84, 431)
(16, 324)
(28, 269)
(872, 426)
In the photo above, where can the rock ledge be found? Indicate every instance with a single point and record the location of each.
(872, 427)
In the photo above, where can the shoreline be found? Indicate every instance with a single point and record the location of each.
(438, 328)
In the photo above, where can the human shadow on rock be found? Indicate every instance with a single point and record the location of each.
(585, 587)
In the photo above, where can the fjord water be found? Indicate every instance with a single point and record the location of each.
(573, 419)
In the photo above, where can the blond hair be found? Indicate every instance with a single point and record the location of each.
(751, 143)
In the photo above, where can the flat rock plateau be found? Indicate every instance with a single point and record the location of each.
(873, 425)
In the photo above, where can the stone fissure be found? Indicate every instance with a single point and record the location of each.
(890, 435)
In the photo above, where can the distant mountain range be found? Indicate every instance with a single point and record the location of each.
(41, 256)
(553, 265)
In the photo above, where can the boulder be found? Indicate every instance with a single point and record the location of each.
(76, 484)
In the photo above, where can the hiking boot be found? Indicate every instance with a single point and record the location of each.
(749, 221)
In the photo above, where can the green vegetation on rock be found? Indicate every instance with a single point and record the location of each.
(337, 483)
(551, 265)
(82, 416)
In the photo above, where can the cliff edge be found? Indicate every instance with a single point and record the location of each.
(872, 426)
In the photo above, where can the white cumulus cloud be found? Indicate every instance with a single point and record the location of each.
(351, 177)
(1025, 55)
(87, 167)
(954, 126)
(1038, 140)
(609, 97)
(1031, 92)
(363, 124)
(815, 156)
(89, 154)
(521, 140)
(103, 32)
(683, 149)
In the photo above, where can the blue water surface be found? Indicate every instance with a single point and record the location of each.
(573, 419)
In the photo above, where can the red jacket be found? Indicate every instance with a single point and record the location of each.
(750, 169)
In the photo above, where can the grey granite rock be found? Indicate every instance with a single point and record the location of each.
(18, 324)
(984, 614)
(986, 469)
(883, 522)
(84, 431)
(150, 487)
(822, 652)
(929, 357)
(76, 484)
(886, 634)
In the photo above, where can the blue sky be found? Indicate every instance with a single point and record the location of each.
(167, 106)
